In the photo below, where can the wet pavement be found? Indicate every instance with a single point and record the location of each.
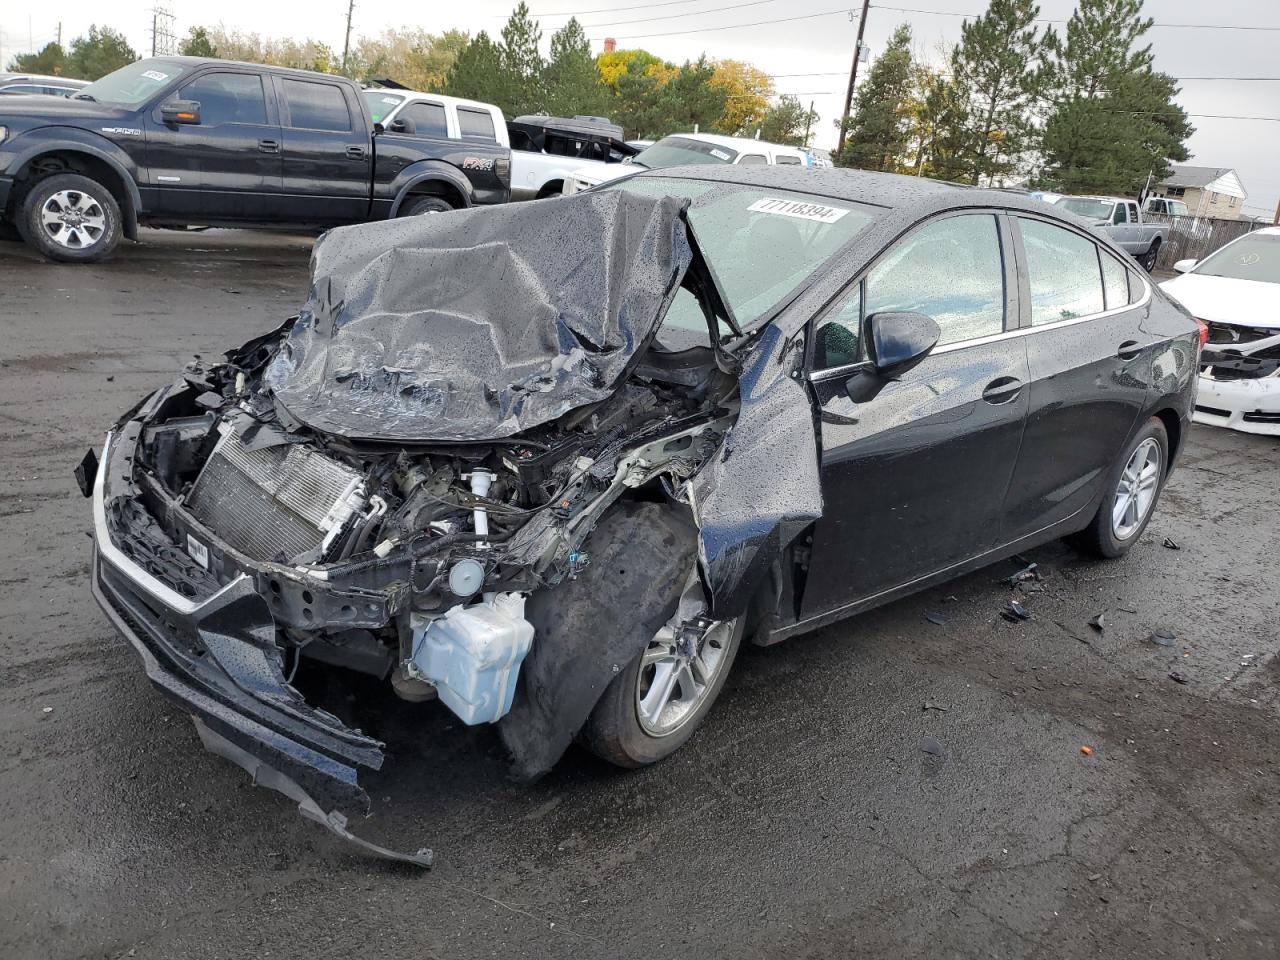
(910, 783)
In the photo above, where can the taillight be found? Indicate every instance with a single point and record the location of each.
(1204, 330)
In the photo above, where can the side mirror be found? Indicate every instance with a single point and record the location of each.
(898, 341)
(403, 125)
(1185, 266)
(181, 111)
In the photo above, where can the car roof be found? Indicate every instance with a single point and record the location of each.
(838, 183)
(438, 97)
(737, 143)
(11, 77)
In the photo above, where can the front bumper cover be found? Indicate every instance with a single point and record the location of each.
(215, 655)
(1247, 405)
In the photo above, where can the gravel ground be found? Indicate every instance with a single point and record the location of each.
(804, 820)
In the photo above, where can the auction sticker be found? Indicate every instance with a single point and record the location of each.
(798, 208)
(155, 75)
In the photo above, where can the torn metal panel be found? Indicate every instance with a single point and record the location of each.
(475, 327)
(743, 524)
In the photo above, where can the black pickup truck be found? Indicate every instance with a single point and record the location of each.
(178, 141)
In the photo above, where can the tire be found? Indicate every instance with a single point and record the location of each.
(71, 218)
(615, 731)
(414, 206)
(1105, 536)
(1149, 258)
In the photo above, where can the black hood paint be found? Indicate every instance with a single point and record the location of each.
(476, 325)
(60, 110)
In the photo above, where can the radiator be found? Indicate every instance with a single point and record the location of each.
(274, 503)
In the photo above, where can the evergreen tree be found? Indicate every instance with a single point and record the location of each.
(1112, 120)
(994, 66)
(99, 53)
(197, 44)
(788, 121)
(688, 99)
(636, 106)
(879, 131)
(942, 128)
(50, 61)
(477, 74)
(522, 64)
(571, 81)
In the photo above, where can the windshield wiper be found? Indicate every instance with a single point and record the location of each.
(85, 96)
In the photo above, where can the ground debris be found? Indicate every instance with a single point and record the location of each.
(1176, 677)
(1015, 612)
(1170, 544)
(936, 618)
(1028, 574)
(1162, 637)
(1099, 622)
(927, 705)
(932, 747)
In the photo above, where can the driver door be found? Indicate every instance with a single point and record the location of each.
(914, 478)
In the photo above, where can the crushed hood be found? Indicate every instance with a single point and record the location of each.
(479, 324)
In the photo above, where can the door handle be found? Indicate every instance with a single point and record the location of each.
(1129, 350)
(355, 153)
(269, 146)
(1002, 390)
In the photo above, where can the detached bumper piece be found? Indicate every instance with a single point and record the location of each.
(211, 648)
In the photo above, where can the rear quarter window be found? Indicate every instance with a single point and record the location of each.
(476, 124)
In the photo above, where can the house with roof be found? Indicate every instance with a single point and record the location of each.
(1207, 191)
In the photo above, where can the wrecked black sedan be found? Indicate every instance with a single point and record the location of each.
(552, 463)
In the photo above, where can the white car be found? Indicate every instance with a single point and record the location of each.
(1236, 291)
(685, 148)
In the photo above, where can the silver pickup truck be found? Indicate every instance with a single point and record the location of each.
(1122, 221)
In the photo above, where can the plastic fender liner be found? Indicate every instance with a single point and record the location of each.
(587, 629)
(743, 524)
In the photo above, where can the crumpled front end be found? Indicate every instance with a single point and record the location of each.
(1239, 383)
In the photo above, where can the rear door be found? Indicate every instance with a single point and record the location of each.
(227, 166)
(914, 478)
(327, 162)
(1090, 363)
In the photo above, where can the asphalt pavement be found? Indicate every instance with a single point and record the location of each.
(890, 786)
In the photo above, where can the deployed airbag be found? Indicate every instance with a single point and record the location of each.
(479, 324)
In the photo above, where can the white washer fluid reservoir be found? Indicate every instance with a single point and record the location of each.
(473, 654)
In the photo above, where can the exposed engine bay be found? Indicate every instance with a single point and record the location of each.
(362, 550)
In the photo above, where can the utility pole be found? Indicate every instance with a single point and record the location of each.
(346, 43)
(59, 33)
(808, 119)
(1276, 221)
(853, 77)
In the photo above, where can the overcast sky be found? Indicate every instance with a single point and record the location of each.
(818, 46)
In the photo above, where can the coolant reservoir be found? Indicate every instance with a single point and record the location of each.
(473, 654)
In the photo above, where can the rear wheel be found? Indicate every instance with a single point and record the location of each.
(1149, 258)
(71, 218)
(420, 205)
(654, 705)
(1133, 487)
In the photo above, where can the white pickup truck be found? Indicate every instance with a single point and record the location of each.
(1123, 222)
(544, 150)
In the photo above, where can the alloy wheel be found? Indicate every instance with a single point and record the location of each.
(73, 219)
(1136, 492)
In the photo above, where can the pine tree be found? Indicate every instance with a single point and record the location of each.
(99, 53)
(879, 131)
(477, 73)
(994, 66)
(197, 44)
(51, 61)
(688, 99)
(1113, 120)
(788, 121)
(570, 79)
(522, 64)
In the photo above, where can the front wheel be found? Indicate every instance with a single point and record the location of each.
(654, 705)
(70, 218)
(1149, 258)
(1133, 487)
(415, 206)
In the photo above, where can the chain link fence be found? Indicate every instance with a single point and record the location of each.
(1194, 238)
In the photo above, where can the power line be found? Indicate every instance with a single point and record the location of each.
(584, 13)
(1172, 26)
(675, 16)
(735, 26)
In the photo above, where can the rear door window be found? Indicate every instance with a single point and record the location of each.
(428, 118)
(1063, 272)
(476, 124)
(316, 106)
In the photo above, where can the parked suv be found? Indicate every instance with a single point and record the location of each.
(176, 141)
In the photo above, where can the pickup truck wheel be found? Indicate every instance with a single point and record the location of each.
(70, 218)
(417, 205)
(1149, 258)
